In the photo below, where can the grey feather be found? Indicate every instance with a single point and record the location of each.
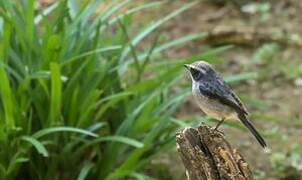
(223, 93)
(216, 98)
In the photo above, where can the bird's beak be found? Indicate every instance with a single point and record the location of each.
(187, 66)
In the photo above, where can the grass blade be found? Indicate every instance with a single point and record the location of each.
(134, 10)
(173, 43)
(5, 88)
(241, 77)
(38, 145)
(115, 138)
(154, 26)
(120, 139)
(90, 53)
(45, 12)
(56, 85)
(85, 170)
(47, 131)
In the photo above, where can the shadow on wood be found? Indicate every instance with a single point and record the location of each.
(206, 155)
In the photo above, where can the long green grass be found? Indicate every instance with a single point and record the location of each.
(82, 95)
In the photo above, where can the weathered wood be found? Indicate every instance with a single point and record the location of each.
(206, 155)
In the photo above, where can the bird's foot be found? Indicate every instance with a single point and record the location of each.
(217, 130)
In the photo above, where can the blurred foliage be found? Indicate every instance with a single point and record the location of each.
(288, 165)
(269, 57)
(265, 53)
(261, 8)
(86, 93)
(83, 95)
(75, 101)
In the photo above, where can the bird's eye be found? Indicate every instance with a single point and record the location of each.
(196, 74)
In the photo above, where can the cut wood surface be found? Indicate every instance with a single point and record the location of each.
(206, 155)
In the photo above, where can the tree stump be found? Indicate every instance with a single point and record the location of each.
(206, 155)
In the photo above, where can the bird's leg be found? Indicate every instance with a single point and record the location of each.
(219, 123)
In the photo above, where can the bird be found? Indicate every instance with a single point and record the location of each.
(216, 98)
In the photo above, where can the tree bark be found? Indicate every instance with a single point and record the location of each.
(206, 155)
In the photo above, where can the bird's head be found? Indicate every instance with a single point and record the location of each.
(200, 71)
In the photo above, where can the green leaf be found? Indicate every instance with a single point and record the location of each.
(46, 12)
(135, 9)
(5, 88)
(85, 170)
(89, 53)
(84, 15)
(155, 25)
(173, 43)
(110, 101)
(47, 131)
(59, 71)
(179, 122)
(16, 161)
(56, 85)
(116, 139)
(38, 145)
(131, 163)
(140, 176)
(120, 139)
(265, 53)
(29, 28)
(73, 8)
(241, 77)
(112, 8)
(2, 170)
(144, 33)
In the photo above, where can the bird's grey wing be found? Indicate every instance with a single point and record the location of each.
(219, 90)
(236, 98)
(223, 94)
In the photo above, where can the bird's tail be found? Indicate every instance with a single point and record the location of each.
(253, 130)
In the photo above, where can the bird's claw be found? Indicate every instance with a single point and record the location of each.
(217, 130)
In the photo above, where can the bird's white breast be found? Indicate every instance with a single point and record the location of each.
(211, 107)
